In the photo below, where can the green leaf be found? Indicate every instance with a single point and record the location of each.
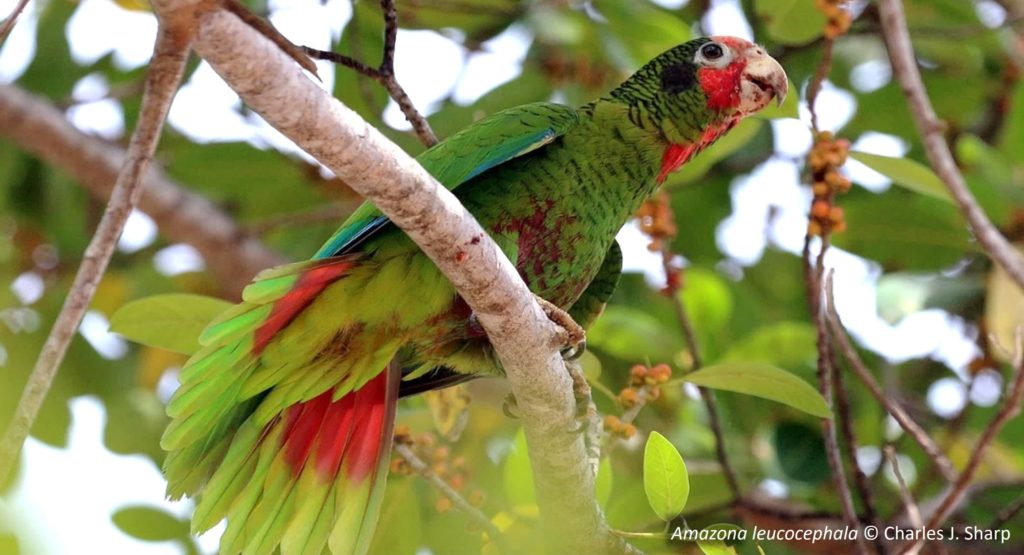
(717, 546)
(149, 523)
(792, 22)
(171, 322)
(665, 479)
(631, 334)
(518, 476)
(801, 452)
(903, 230)
(765, 381)
(603, 482)
(906, 173)
(707, 298)
(786, 344)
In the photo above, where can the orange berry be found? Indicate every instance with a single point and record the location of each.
(628, 397)
(835, 214)
(628, 431)
(477, 498)
(820, 209)
(443, 505)
(612, 422)
(662, 372)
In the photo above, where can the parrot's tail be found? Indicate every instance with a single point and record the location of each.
(312, 476)
(282, 425)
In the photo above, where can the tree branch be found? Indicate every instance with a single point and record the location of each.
(525, 341)
(901, 53)
(385, 73)
(42, 130)
(8, 23)
(421, 467)
(165, 72)
(1014, 396)
(912, 428)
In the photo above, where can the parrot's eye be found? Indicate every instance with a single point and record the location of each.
(713, 55)
(711, 51)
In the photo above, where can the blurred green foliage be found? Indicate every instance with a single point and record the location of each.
(742, 314)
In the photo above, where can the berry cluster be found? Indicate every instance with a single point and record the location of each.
(616, 427)
(839, 19)
(657, 220)
(826, 157)
(453, 470)
(644, 385)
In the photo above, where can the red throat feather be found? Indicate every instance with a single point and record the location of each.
(677, 155)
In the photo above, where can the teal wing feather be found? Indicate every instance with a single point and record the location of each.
(486, 144)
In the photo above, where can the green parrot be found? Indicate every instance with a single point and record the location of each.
(283, 420)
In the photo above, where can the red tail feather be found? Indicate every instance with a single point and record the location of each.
(351, 430)
(306, 288)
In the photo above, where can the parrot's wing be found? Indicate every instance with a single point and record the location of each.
(486, 144)
(592, 301)
(584, 311)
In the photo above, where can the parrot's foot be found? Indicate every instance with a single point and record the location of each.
(587, 417)
(573, 337)
(510, 406)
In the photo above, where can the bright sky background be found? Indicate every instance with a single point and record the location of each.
(430, 67)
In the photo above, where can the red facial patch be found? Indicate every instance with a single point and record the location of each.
(722, 86)
(306, 288)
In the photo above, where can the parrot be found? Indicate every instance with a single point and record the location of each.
(283, 419)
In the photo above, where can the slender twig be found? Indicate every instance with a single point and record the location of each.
(162, 79)
(385, 73)
(267, 30)
(1011, 407)
(899, 415)
(814, 87)
(826, 371)
(460, 502)
(8, 24)
(671, 291)
(708, 396)
(1007, 513)
(897, 39)
(909, 504)
(912, 428)
(861, 483)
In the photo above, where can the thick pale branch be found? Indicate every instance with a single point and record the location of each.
(901, 53)
(162, 81)
(36, 126)
(524, 339)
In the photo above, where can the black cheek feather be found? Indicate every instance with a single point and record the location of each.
(678, 78)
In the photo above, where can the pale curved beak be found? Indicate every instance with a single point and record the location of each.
(763, 79)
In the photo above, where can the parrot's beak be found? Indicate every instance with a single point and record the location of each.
(763, 79)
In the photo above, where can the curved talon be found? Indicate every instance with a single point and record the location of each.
(507, 405)
(575, 352)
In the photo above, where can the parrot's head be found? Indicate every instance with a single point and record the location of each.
(706, 83)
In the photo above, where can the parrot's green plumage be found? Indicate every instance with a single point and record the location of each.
(283, 420)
